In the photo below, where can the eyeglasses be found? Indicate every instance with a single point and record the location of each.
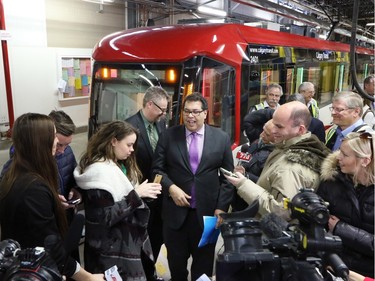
(339, 110)
(161, 109)
(193, 112)
(308, 92)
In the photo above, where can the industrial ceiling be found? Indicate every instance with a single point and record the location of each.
(331, 16)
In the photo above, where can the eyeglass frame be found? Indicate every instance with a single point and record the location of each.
(196, 113)
(161, 109)
(332, 109)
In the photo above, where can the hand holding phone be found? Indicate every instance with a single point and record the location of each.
(74, 201)
(158, 178)
(228, 173)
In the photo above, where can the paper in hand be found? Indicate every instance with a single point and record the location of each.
(210, 233)
(112, 274)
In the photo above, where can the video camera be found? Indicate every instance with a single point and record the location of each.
(272, 249)
(28, 264)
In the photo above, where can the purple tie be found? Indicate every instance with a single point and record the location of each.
(194, 161)
(193, 152)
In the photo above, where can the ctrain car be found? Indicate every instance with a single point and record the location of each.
(230, 64)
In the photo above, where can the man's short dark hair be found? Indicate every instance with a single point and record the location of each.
(154, 93)
(196, 97)
(63, 123)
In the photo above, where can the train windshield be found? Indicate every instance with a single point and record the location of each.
(118, 90)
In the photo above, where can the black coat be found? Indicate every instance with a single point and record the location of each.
(354, 206)
(172, 162)
(254, 121)
(28, 215)
(317, 128)
(143, 149)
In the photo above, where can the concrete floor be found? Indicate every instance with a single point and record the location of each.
(78, 145)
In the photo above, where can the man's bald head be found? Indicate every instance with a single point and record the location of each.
(267, 135)
(290, 120)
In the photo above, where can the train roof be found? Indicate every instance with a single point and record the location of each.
(224, 42)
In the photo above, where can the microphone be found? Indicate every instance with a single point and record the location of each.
(273, 226)
(245, 148)
(243, 155)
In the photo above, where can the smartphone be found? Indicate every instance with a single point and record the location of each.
(158, 178)
(74, 201)
(228, 173)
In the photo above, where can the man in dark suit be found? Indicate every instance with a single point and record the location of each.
(150, 122)
(192, 188)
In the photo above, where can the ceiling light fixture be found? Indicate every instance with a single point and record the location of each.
(212, 11)
(100, 1)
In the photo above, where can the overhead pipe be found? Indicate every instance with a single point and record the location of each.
(290, 14)
(353, 68)
(8, 86)
(342, 22)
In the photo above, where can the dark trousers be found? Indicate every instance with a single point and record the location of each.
(155, 232)
(181, 244)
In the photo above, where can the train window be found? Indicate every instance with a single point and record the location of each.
(215, 80)
(118, 90)
(250, 87)
(269, 62)
(289, 85)
(218, 89)
(365, 67)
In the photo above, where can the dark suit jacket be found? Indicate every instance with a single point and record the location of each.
(211, 190)
(254, 121)
(143, 150)
(317, 128)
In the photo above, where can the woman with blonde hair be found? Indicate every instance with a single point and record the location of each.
(116, 215)
(348, 186)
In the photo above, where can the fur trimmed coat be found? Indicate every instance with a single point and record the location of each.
(116, 221)
(354, 206)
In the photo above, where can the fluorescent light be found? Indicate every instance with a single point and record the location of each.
(254, 24)
(370, 24)
(212, 11)
(99, 1)
(216, 20)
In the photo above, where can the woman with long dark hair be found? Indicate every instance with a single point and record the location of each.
(30, 208)
(116, 215)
